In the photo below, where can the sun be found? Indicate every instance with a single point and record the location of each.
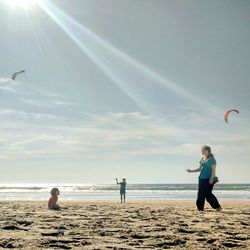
(25, 4)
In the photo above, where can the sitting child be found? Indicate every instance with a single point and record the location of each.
(53, 199)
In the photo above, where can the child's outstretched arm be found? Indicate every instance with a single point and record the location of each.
(118, 183)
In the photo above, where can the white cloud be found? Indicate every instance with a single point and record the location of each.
(4, 80)
(110, 135)
(31, 95)
(47, 103)
(8, 85)
(7, 115)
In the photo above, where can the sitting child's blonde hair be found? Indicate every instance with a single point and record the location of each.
(54, 191)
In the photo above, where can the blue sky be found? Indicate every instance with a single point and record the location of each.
(123, 88)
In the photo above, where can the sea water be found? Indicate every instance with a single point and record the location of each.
(111, 192)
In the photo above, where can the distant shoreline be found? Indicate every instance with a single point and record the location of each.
(111, 191)
(127, 202)
(117, 201)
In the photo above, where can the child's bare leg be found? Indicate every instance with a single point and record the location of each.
(124, 197)
(121, 198)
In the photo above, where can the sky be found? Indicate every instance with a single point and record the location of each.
(123, 89)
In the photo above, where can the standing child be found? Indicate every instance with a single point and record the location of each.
(53, 199)
(122, 188)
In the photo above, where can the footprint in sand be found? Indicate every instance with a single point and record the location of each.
(53, 233)
(13, 227)
(166, 244)
(231, 244)
(211, 241)
(7, 243)
(139, 236)
(186, 231)
(24, 222)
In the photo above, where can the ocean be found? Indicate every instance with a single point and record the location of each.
(111, 192)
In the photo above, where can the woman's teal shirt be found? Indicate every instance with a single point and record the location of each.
(206, 168)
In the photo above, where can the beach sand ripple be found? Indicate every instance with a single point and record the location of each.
(135, 225)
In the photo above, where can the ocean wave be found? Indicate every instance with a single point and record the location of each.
(130, 187)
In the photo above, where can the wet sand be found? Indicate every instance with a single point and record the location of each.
(134, 225)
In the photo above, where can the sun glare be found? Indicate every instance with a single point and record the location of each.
(25, 4)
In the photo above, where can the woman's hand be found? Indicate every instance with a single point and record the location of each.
(194, 170)
(211, 180)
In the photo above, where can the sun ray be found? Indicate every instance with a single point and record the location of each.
(114, 62)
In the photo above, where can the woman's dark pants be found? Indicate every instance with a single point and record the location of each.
(205, 192)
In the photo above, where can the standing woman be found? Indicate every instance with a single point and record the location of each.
(207, 176)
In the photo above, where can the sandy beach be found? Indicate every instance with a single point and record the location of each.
(134, 225)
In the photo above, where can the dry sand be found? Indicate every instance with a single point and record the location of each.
(135, 225)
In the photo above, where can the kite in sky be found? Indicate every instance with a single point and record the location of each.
(16, 74)
(227, 113)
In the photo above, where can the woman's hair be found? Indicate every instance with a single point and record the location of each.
(54, 191)
(206, 147)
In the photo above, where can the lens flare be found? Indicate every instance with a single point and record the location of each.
(24, 4)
